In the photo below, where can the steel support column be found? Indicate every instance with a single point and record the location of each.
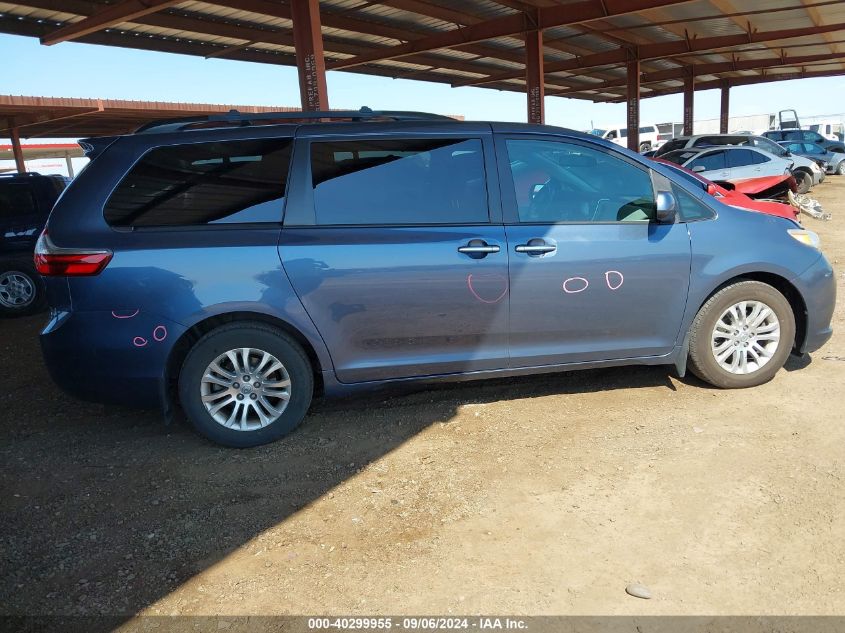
(20, 163)
(634, 105)
(69, 163)
(534, 77)
(723, 113)
(308, 41)
(689, 99)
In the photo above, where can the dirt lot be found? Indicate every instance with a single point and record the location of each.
(532, 496)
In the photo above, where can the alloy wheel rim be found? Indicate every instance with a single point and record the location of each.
(16, 289)
(245, 389)
(745, 337)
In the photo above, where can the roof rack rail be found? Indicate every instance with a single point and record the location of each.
(233, 117)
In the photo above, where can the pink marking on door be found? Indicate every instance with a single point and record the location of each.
(160, 333)
(607, 279)
(480, 278)
(139, 341)
(125, 316)
(571, 291)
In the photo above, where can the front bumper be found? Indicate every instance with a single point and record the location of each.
(817, 286)
(109, 356)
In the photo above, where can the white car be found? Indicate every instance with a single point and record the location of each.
(730, 162)
(648, 137)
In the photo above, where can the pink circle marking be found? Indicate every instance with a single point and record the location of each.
(607, 279)
(139, 341)
(125, 316)
(160, 333)
(576, 291)
(490, 277)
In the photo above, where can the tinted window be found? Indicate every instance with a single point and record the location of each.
(709, 160)
(767, 145)
(564, 182)
(796, 148)
(812, 148)
(792, 135)
(204, 183)
(16, 199)
(670, 146)
(813, 137)
(419, 181)
(690, 180)
(690, 207)
(740, 158)
(648, 129)
(758, 158)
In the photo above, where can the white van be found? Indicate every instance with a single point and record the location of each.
(831, 130)
(648, 137)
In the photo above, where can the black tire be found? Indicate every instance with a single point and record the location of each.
(840, 168)
(702, 359)
(804, 181)
(23, 272)
(246, 335)
(645, 147)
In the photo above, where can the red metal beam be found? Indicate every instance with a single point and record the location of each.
(308, 41)
(663, 50)
(633, 98)
(534, 78)
(689, 99)
(115, 14)
(509, 25)
(737, 82)
(705, 69)
(724, 110)
(20, 163)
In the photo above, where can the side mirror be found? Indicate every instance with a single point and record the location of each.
(699, 168)
(667, 207)
(711, 189)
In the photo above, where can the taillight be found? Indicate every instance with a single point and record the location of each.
(51, 260)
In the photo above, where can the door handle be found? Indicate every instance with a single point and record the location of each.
(535, 248)
(478, 249)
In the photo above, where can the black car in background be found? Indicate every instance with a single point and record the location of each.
(25, 203)
(805, 136)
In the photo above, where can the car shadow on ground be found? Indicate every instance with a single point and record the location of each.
(105, 510)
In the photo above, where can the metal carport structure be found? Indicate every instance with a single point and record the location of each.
(597, 50)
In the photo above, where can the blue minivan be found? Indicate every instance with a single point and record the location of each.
(236, 265)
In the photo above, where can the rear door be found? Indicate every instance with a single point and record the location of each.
(592, 275)
(712, 165)
(742, 164)
(395, 247)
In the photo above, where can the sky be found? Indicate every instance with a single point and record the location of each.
(85, 70)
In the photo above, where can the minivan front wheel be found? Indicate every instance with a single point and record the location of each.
(742, 336)
(246, 384)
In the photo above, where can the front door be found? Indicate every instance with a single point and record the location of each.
(592, 275)
(397, 259)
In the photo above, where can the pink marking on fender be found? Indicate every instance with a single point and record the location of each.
(125, 316)
(160, 333)
(607, 279)
(576, 291)
(139, 341)
(489, 277)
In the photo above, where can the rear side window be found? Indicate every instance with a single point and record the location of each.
(399, 182)
(758, 159)
(16, 199)
(204, 183)
(740, 157)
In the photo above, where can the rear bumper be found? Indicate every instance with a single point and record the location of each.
(109, 356)
(817, 286)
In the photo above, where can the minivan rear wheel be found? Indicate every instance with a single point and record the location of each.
(246, 384)
(21, 289)
(742, 335)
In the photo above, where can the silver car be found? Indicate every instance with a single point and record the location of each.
(730, 162)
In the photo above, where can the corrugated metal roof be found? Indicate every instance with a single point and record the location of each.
(260, 30)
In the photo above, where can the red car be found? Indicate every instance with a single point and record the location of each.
(735, 198)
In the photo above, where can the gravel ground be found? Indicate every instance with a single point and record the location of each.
(543, 495)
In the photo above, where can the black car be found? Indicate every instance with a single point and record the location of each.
(25, 203)
(805, 136)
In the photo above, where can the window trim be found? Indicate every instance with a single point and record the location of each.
(302, 212)
(510, 208)
(174, 141)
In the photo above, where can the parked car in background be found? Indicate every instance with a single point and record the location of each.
(831, 130)
(649, 137)
(730, 162)
(807, 136)
(807, 173)
(25, 203)
(830, 162)
(732, 197)
(238, 264)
